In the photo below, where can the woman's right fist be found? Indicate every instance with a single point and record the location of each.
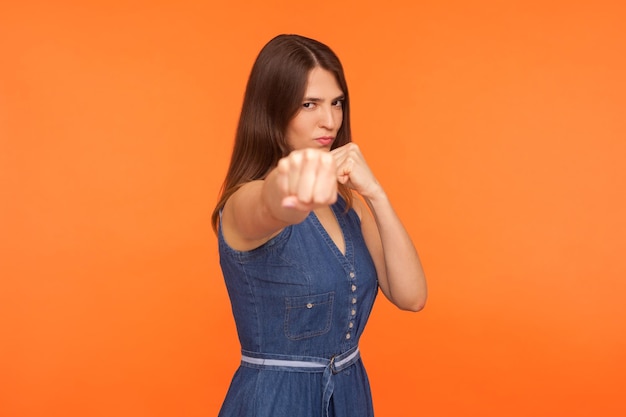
(307, 179)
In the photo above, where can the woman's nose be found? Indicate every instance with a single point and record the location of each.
(328, 118)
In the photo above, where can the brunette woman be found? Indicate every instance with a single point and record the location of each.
(306, 237)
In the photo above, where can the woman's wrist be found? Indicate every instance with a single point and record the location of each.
(375, 193)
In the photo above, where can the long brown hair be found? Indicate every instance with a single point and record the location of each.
(273, 96)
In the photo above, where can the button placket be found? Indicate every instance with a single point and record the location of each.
(352, 301)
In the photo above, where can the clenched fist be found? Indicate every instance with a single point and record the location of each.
(307, 179)
(353, 171)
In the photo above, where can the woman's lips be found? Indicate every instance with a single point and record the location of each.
(325, 140)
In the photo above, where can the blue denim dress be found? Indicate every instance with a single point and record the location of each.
(300, 307)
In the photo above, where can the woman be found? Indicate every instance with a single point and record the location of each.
(301, 255)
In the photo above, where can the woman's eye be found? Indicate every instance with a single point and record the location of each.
(338, 103)
(308, 105)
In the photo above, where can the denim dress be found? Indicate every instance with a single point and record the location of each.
(300, 307)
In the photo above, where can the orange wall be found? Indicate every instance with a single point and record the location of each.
(498, 128)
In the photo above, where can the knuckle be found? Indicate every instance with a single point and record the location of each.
(283, 165)
(327, 159)
(309, 154)
(296, 157)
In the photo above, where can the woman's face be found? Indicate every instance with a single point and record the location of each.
(317, 122)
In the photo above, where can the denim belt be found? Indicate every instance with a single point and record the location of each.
(328, 367)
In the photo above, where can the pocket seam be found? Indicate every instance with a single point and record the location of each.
(293, 304)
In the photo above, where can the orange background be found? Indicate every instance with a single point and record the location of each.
(497, 127)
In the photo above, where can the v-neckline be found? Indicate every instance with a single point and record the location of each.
(327, 236)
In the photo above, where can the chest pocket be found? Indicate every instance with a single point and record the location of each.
(308, 316)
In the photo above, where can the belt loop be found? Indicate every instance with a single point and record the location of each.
(332, 366)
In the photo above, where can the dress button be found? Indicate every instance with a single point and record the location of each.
(352, 275)
(353, 288)
(351, 325)
(309, 305)
(353, 300)
(353, 312)
(348, 336)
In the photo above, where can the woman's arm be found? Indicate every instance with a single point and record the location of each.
(400, 273)
(258, 210)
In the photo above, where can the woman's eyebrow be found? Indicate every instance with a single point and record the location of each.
(317, 99)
